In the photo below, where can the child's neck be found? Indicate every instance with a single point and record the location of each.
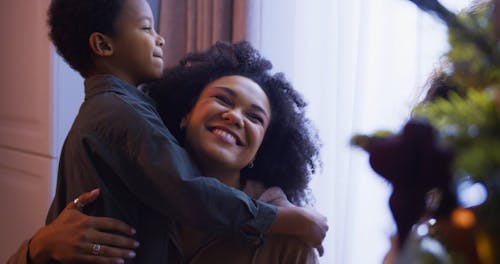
(102, 67)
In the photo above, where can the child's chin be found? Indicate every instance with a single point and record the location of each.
(158, 74)
(155, 76)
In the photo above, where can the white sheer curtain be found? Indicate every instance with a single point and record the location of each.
(361, 65)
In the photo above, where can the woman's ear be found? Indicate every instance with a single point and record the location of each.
(100, 44)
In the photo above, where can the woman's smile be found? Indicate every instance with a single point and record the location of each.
(226, 135)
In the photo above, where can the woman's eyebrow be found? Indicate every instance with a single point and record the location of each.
(227, 90)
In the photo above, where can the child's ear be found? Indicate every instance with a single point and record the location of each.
(100, 44)
(183, 123)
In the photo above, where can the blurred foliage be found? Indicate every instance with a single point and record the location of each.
(470, 125)
(468, 119)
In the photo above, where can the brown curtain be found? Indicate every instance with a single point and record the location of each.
(194, 25)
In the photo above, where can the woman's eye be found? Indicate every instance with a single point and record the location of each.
(224, 99)
(256, 118)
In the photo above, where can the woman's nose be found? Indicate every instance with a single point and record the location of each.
(233, 117)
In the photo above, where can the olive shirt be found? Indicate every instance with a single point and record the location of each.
(119, 144)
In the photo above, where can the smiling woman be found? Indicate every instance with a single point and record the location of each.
(289, 152)
(247, 128)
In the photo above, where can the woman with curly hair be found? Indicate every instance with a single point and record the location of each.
(246, 127)
(289, 152)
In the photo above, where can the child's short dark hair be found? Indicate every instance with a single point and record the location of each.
(72, 21)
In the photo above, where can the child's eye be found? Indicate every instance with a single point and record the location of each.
(147, 28)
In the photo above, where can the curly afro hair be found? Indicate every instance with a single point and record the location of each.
(72, 21)
(289, 153)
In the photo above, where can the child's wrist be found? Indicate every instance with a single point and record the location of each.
(288, 220)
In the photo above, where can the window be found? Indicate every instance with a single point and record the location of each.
(361, 65)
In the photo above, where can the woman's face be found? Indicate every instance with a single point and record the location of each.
(226, 126)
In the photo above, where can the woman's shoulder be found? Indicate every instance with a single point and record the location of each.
(272, 195)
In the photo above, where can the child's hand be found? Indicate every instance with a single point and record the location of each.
(306, 223)
(315, 228)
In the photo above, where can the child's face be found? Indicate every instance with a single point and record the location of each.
(138, 52)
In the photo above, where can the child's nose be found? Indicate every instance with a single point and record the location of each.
(160, 41)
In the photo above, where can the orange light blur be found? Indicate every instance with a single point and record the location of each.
(463, 218)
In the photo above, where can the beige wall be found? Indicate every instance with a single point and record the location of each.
(26, 152)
